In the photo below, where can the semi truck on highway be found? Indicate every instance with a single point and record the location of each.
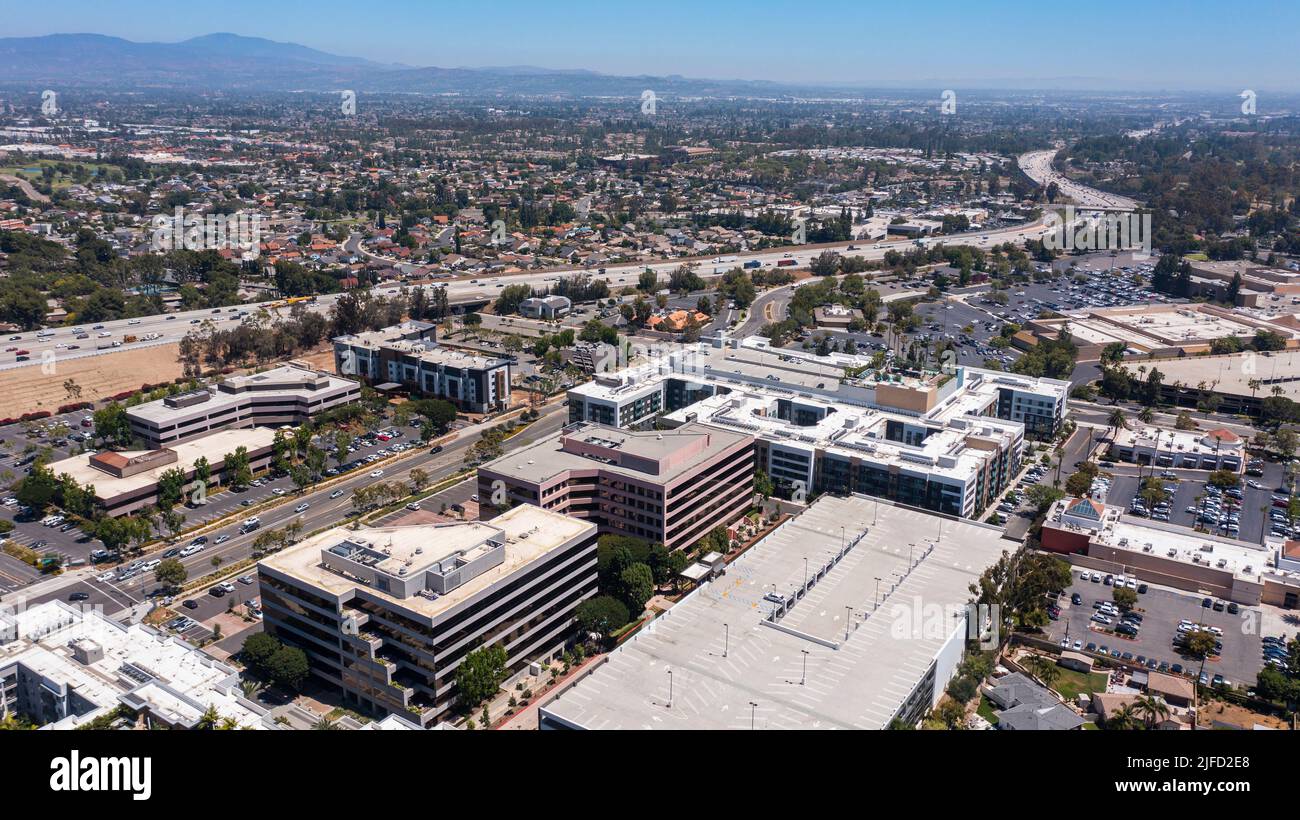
(785, 263)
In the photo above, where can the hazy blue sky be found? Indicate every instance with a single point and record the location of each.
(1197, 44)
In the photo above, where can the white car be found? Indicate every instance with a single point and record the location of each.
(336, 494)
(221, 539)
(376, 473)
(302, 507)
(106, 577)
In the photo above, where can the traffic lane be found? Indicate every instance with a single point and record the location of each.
(104, 596)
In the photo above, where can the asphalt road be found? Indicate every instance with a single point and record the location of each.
(1037, 165)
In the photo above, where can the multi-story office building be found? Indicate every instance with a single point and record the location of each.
(127, 481)
(387, 614)
(670, 487)
(948, 442)
(290, 394)
(407, 356)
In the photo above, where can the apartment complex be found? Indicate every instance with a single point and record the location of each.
(408, 357)
(127, 481)
(387, 614)
(850, 615)
(63, 666)
(948, 442)
(290, 394)
(671, 487)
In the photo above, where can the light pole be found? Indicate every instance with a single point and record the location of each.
(726, 639)
(753, 708)
(877, 606)
(848, 618)
(805, 573)
(804, 678)
(670, 688)
(910, 549)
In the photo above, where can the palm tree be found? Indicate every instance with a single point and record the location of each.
(1044, 669)
(1152, 709)
(1123, 718)
(1117, 421)
(325, 724)
(1145, 415)
(251, 688)
(209, 720)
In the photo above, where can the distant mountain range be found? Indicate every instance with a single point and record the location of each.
(220, 62)
(230, 61)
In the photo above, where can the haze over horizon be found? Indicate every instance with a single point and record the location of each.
(1110, 46)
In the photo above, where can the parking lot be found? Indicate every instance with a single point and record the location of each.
(1161, 610)
(1187, 490)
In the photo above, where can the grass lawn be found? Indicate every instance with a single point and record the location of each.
(1071, 683)
(985, 710)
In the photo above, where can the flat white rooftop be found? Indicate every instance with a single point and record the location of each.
(213, 447)
(722, 659)
(286, 382)
(530, 533)
(173, 677)
(1232, 374)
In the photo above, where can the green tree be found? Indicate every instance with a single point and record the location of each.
(288, 667)
(636, 587)
(258, 649)
(480, 674)
(603, 615)
(1125, 598)
(171, 572)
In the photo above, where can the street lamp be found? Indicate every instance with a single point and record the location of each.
(670, 688)
(877, 606)
(753, 708)
(804, 678)
(848, 617)
(726, 640)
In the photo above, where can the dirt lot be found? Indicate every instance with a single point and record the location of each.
(321, 358)
(28, 389)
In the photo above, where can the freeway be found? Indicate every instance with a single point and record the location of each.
(1037, 165)
(322, 511)
(172, 327)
